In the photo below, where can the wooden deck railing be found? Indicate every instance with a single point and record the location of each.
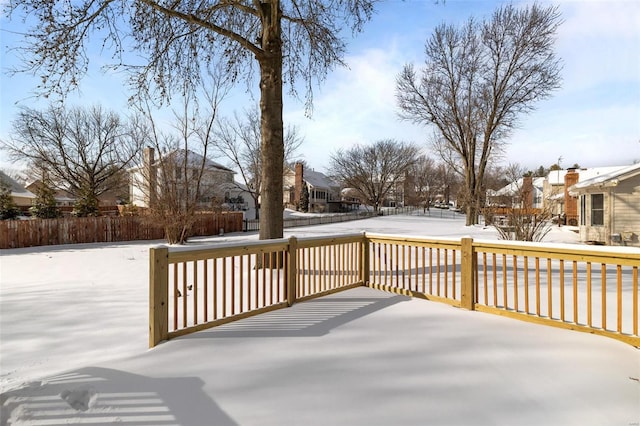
(192, 290)
(577, 288)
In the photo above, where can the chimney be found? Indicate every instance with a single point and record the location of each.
(527, 192)
(299, 179)
(570, 203)
(149, 176)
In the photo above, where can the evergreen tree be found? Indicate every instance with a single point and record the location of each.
(8, 207)
(304, 199)
(87, 204)
(45, 206)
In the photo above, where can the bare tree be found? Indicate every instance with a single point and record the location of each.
(420, 182)
(181, 180)
(239, 141)
(477, 81)
(373, 171)
(514, 210)
(84, 150)
(175, 39)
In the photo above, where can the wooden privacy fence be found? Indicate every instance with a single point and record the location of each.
(579, 288)
(42, 232)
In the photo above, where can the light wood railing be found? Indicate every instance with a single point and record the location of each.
(579, 288)
(195, 289)
(591, 290)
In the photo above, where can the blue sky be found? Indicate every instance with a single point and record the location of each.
(593, 120)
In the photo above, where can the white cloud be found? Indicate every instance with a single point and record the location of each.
(599, 42)
(357, 106)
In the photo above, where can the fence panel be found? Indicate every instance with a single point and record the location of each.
(40, 232)
(324, 265)
(212, 286)
(425, 268)
(592, 290)
(215, 284)
(254, 224)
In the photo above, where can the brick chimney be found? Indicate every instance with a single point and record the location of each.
(570, 203)
(527, 192)
(299, 180)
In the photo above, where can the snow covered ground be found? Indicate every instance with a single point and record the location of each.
(73, 349)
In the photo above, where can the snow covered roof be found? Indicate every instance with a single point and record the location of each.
(17, 190)
(318, 180)
(516, 187)
(195, 160)
(609, 176)
(556, 177)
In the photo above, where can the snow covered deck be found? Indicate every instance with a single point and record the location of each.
(359, 357)
(73, 333)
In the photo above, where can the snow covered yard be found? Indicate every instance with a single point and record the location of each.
(74, 324)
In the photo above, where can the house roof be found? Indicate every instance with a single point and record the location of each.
(318, 180)
(609, 177)
(193, 159)
(61, 195)
(17, 190)
(556, 177)
(515, 187)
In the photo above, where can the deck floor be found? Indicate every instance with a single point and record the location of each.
(359, 357)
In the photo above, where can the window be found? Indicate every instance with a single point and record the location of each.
(583, 210)
(597, 209)
(321, 195)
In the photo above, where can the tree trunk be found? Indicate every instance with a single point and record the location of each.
(271, 125)
(472, 212)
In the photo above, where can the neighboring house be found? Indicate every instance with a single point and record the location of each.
(218, 187)
(324, 193)
(553, 191)
(526, 192)
(21, 196)
(609, 206)
(63, 198)
(556, 191)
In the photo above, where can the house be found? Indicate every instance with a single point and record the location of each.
(176, 170)
(526, 192)
(21, 196)
(609, 206)
(556, 187)
(63, 198)
(324, 193)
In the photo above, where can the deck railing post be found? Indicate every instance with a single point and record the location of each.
(467, 274)
(292, 271)
(158, 295)
(364, 257)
